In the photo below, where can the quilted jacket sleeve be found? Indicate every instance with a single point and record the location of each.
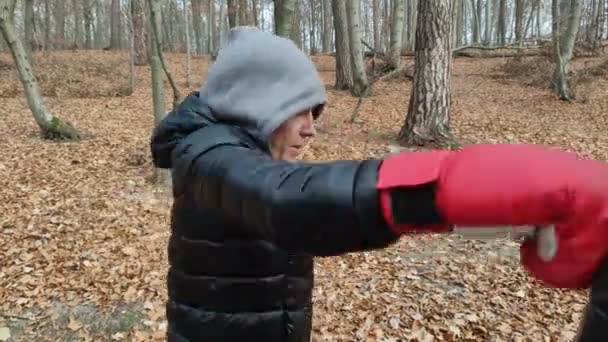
(318, 208)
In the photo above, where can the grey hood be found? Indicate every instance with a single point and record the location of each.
(258, 81)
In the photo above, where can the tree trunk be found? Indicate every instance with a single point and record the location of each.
(458, 30)
(296, 25)
(360, 84)
(78, 39)
(243, 13)
(59, 24)
(197, 24)
(232, 13)
(396, 32)
(163, 177)
(489, 23)
(377, 14)
(131, 53)
(29, 29)
(502, 22)
(115, 25)
(138, 22)
(51, 126)
(313, 33)
(87, 11)
(254, 13)
(47, 25)
(564, 46)
(99, 26)
(476, 11)
(520, 9)
(210, 26)
(344, 74)
(155, 20)
(187, 26)
(327, 25)
(427, 120)
(284, 13)
(221, 25)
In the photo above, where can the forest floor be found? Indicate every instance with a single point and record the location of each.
(83, 231)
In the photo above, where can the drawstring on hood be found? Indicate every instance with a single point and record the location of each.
(258, 81)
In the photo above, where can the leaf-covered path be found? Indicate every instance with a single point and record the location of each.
(83, 232)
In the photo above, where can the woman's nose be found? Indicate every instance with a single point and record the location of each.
(308, 128)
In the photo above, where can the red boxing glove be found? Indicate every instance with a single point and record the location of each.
(485, 185)
(582, 238)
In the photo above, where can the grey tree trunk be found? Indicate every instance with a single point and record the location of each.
(360, 83)
(47, 25)
(197, 24)
(254, 13)
(327, 25)
(59, 24)
(140, 39)
(520, 9)
(51, 126)
(427, 120)
(243, 13)
(232, 8)
(284, 16)
(210, 26)
(476, 21)
(501, 30)
(162, 176)
(489, 23)
(29, 29)
(564, 47)
(78, 34)
(99, 24)
(376, 25)
(155, 20)
(131, 53)
(313, 31)
(115, 29)
(396, 33)
(344, 74)
(458, 30)
(187, 28)
(87, 11)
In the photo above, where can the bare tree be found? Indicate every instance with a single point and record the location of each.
(564, 40)
(344, 74)
(360, 83)
(51, 126)
(427, 119)
(155, 23)
(163, 177)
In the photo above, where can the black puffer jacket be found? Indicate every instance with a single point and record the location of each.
(244, 227)
(594, 325)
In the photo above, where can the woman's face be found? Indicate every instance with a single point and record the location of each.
(288, 140)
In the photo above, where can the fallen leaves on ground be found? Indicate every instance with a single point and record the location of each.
(83, 232)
